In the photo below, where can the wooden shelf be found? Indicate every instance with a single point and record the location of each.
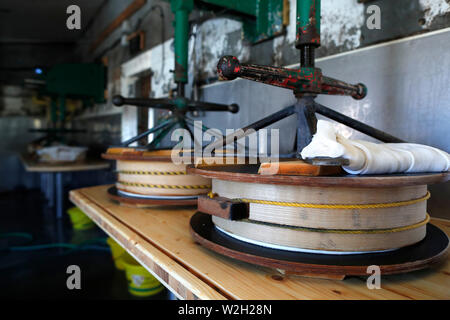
(159, 239)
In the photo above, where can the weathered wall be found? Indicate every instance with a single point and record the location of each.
(343, 29)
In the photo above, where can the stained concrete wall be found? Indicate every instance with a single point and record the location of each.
(343, 29)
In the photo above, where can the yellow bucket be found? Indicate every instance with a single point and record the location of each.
(80, 221)
(118, 253)
(140, 282)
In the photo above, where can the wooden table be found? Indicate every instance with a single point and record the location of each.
(159, 239)
(52, 177)
(35, 166)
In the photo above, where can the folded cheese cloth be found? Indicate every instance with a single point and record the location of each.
(375, 158)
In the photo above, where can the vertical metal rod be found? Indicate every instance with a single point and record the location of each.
(307, 56)
(42, 183)
(306, 122)
(59, 195)
(308, 23)
(51, 189)
(308, 31)
(185, 126)
(181, 10)
(59, 225)
(180, 89)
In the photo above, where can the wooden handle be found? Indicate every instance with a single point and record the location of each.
(223, 207)
(298, 168)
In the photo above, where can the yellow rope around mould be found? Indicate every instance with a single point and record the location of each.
(154, 173)
(163, 186)
(334, 206)
(339, 231)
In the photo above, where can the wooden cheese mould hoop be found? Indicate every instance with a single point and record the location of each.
(153, 173)
(137, 202)
(137, 155)
(270, 223)
(248, 173)
(321, 239)
(134, 154)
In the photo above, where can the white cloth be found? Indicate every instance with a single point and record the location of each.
(61, 153)
(375, 158)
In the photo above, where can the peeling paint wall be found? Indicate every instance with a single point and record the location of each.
(433, 9)
(342, 21)
(340, 26)
(343, 29)
(207, 44)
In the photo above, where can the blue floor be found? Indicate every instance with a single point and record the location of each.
(41, 274)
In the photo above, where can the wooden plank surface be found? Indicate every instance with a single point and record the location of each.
(159, 237)
(35, 166)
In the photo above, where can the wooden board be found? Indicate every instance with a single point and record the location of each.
(35, 166)
(160, 239)
(298, 168)
(249, 173)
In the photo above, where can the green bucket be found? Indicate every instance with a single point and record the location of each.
(118, 253)
(141, 283)
(80, 221)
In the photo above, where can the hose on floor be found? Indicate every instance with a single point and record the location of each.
(93, 244)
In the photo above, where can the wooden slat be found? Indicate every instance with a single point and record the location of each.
(159, 237)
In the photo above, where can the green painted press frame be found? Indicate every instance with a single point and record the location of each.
(262, 19)
(306, 82)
